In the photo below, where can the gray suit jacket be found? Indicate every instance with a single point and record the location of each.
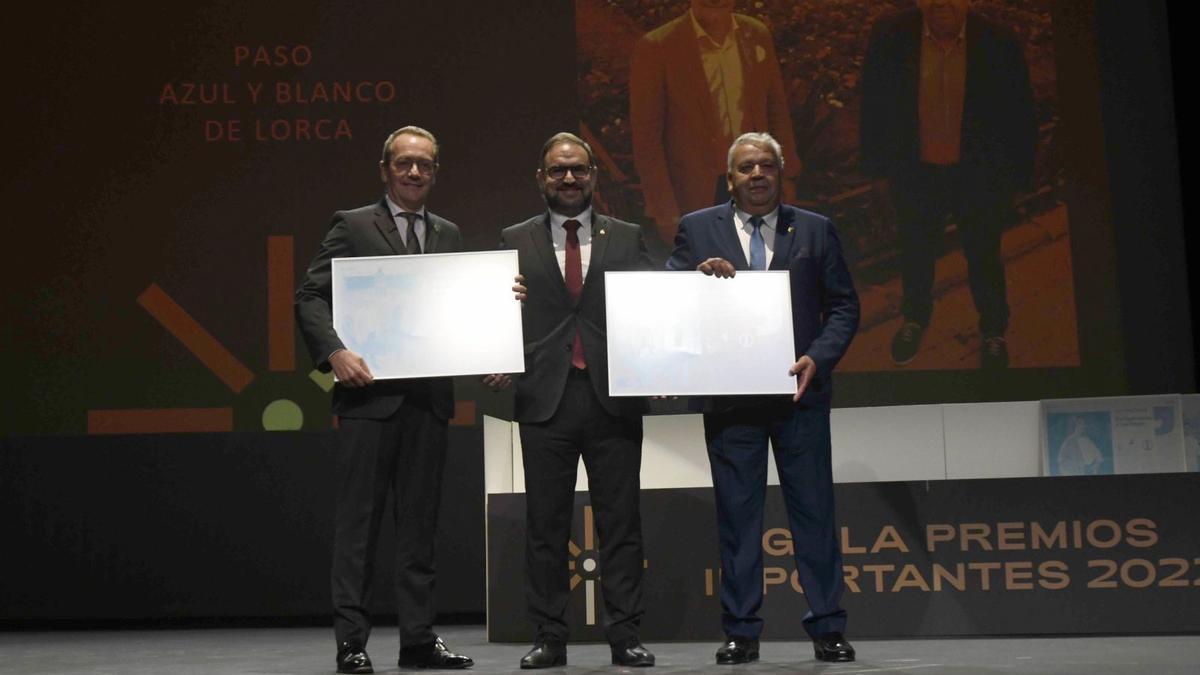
(550, 317)
(367, 231)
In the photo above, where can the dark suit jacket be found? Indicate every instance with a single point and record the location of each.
(367, 231)
(998, 126)
(678, 145)
(550, 317)
(824, 303)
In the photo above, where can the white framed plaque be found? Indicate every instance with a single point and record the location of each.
(1112, 435)
(430, 315)
(687, 334)
(1190, 404)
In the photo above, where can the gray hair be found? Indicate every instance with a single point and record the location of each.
(412, 131)
(757, 138)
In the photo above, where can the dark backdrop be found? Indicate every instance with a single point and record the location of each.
(112, 191)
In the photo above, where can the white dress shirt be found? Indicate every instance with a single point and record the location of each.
(402, 223)
(741, 221)
(723, 70)
(558, 234)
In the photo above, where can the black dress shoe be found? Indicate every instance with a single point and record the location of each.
(353, 659)
(433, 655)
(906, 343)
(994, 354)
(545, 655)
(632, 654)
(832, 647)
(738, 650)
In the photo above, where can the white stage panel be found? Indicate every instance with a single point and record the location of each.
(992, 440)
(888, 444)
(498, 455)
(673, 452)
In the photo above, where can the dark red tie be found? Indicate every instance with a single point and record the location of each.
(573, 275)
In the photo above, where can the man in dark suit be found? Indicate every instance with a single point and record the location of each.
(756, 232)
(695, 84)
(948, 129)
(564, 409)
(391, 434)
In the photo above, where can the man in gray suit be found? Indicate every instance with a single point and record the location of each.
(564, 409)
(391, 434)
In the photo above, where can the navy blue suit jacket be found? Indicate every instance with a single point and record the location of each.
(824, 303)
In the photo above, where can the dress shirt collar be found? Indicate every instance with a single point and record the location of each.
(395, 209)
(958, 39)
(742, 220)
(702, 35)
(585, 220)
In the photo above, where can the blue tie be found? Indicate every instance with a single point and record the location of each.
(758, 247)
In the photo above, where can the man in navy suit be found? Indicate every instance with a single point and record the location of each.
(756, 232)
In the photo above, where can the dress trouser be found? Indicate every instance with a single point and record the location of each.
(737, 452)
(611, 448)
(924, 198)
(404, 454)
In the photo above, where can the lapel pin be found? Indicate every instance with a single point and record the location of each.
(601, 231)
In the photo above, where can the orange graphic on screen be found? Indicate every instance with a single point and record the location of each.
(278, 413)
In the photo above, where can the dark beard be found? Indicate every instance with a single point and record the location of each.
(556, 205)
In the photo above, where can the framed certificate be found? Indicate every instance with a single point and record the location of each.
(684, 333)
(1113, 435)
(430, 315)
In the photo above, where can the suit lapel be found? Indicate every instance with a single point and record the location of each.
(785, 239)
(539, 232)
(387, 227)
(977, 65)
(727, 239)
(600, 237)
(754, 96)
(909, 71)
(432, 232)
(691, 69)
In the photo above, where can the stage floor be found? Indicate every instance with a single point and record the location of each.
(298, 651)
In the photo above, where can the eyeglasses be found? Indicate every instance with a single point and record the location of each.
(580, 171)
(405, 164)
